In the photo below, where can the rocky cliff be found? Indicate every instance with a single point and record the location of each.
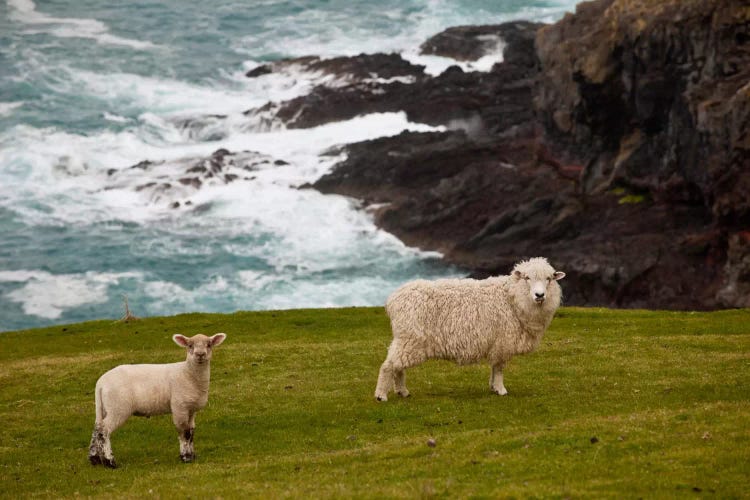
(626, 161)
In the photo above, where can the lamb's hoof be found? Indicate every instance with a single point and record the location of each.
(500, 392)
(404, 394)
(95, 460)
(109, 462)
(187, 458)
(381, 397)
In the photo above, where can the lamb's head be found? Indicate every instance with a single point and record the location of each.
(199, 347)
(539, 279)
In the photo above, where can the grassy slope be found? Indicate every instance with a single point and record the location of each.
(291, 412)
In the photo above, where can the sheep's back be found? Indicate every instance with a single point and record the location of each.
(455, 319)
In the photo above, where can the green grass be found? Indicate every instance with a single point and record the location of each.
(291, 412)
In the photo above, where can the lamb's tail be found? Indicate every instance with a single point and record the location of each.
(101, 412)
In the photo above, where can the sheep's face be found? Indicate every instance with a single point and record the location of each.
(199, 347)
(539, 278)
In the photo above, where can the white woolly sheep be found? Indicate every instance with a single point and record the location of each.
(468, 320)
(144, 390)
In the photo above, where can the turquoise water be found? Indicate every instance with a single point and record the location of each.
(91, 87)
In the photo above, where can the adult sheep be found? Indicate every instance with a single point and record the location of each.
(144, 390)
(468, 320)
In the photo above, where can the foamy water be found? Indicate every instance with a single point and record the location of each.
(91, 90)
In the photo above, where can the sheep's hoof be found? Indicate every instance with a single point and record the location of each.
(187, 458)
(109, 462)
(404, 394)
(381, 398)
(500, 392)
(95, 460)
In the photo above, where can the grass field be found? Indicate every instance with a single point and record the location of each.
(620, 404)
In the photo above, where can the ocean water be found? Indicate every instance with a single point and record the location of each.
(90, 88)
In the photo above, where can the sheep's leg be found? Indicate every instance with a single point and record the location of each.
(385, 380)
(399, 378)
(185, 424)
(496, 379)
(393, 371)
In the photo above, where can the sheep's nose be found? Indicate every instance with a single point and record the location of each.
(539, 295)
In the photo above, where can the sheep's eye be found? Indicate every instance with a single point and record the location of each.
(526, 278)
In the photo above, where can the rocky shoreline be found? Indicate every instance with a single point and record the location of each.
(616, 142)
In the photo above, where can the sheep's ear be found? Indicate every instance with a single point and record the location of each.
(218, 339)
(180, 340)
(558, 275)
(518, 275)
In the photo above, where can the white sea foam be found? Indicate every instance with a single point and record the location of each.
(69, 27)
(61, 177)
(256, 290)
(48, 295)
(7, 108)
(115, 118)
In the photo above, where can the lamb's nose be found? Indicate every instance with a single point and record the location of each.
(539, 295)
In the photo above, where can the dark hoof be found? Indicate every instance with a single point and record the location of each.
(187, 458)
(109, 463)
(95, 460)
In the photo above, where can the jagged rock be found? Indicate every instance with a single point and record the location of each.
(477, 102)
(354, 68)
(470, 43)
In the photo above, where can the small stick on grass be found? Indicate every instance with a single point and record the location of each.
(128, 315)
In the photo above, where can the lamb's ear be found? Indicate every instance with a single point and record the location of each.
(180, 340)
(558, 275)
(218, 339)
(518, 275)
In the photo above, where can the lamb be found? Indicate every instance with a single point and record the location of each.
(144, 390)
(468, 320)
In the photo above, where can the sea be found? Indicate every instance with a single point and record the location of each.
(89, 88)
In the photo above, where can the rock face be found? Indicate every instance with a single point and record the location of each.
(654, 97)
(622, 155)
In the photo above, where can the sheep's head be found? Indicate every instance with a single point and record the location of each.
(199, 347)
(540, 278)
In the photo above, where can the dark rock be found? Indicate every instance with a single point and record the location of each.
(261, 70)
(469, 43)
(478, 102)
(361, 67)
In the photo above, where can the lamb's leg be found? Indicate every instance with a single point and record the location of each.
(95, 447)
(496, 379)
(102, 433)
(182, 421)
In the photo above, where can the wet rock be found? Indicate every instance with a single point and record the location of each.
(469, 43)
(477, 102)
